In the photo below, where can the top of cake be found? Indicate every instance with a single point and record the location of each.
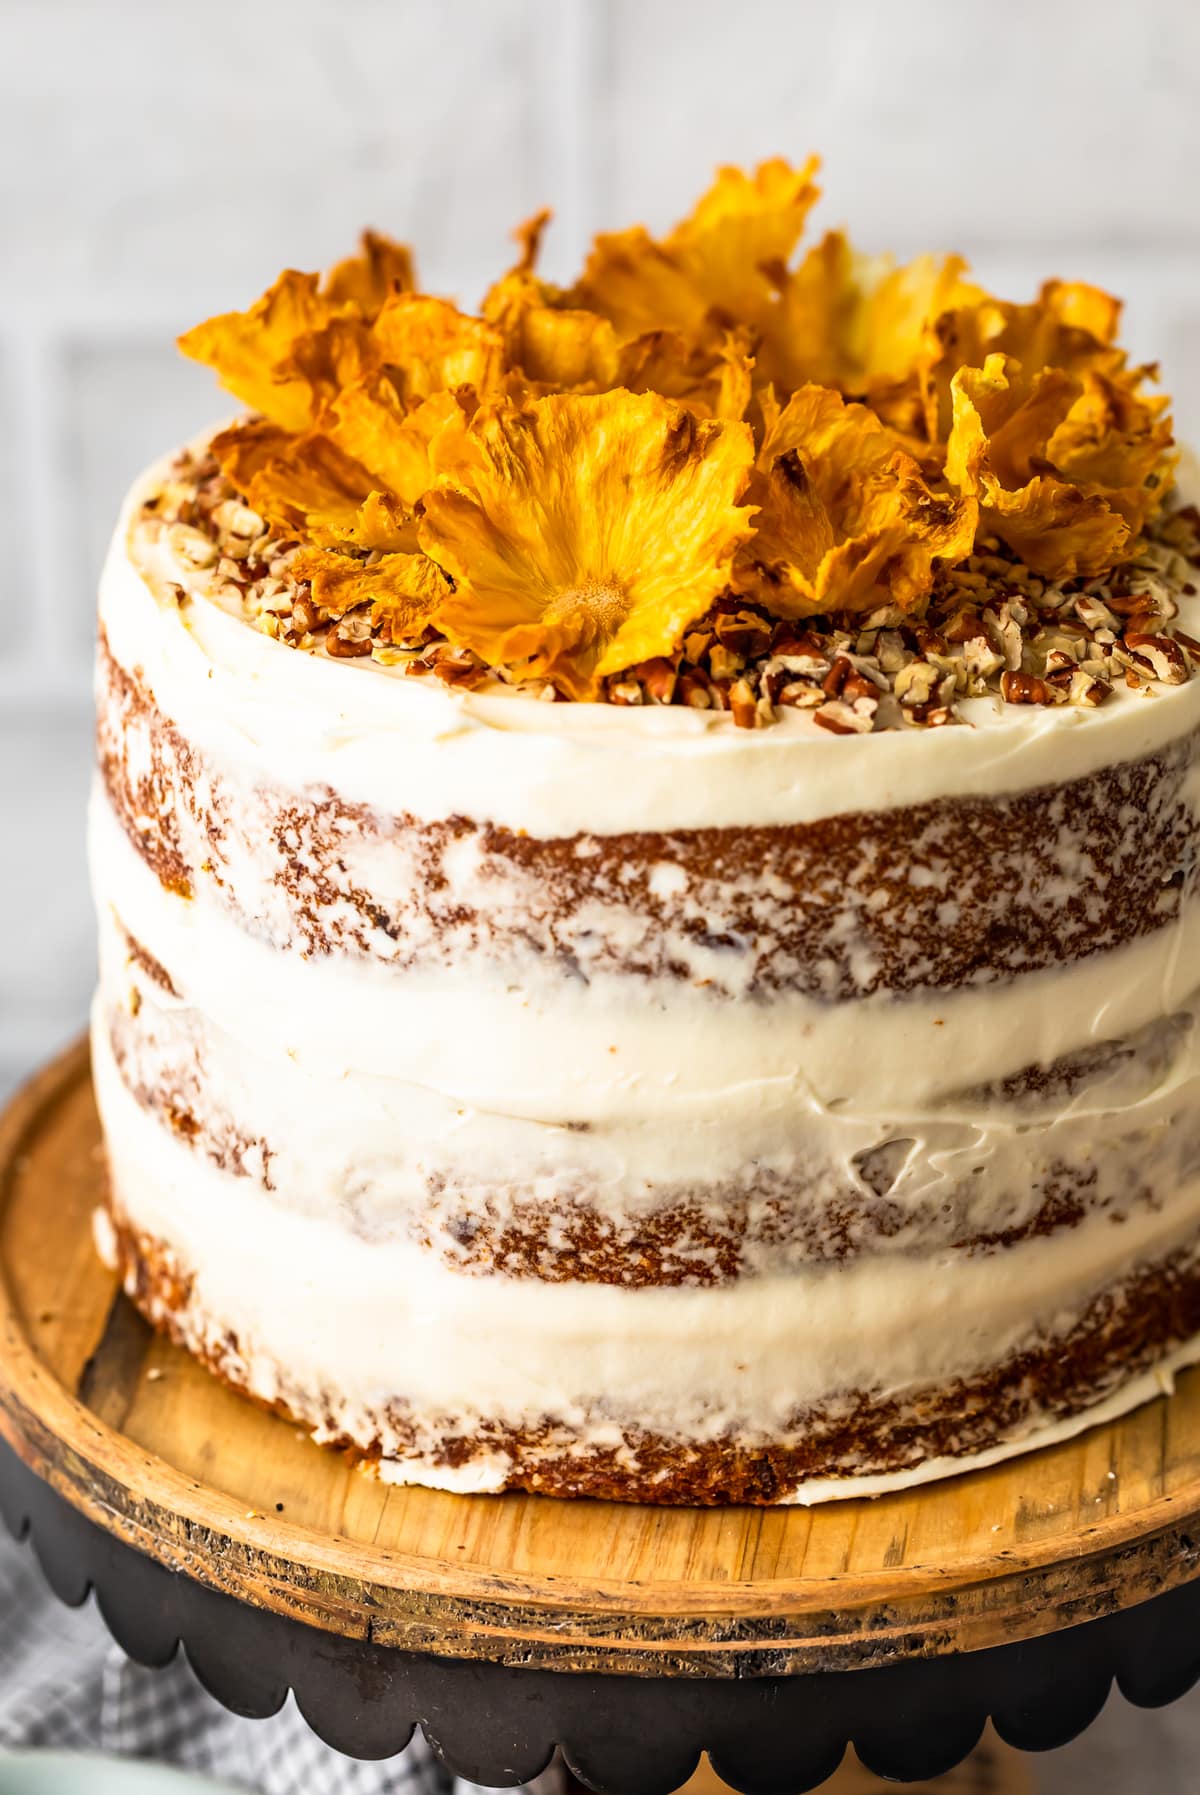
(714, 472)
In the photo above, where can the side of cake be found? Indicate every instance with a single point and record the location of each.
(777, 1096)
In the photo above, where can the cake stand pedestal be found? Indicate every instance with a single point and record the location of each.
(633, 1638)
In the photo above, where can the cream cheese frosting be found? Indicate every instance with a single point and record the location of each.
(387, 1157)
(698, 1364)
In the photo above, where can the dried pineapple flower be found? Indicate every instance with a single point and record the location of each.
(248, 350)
(429, 346)
(403, 590)
(583, 533)
(848, 522)
(1059, 462)
(856, 322)
(554, 345)
(253, 352)
(1117, 441)
(389, 436)
(712, 268)
(309, 487)
(564, 348)
(553, 484)
(714, 381)
(380, 269)
(561, 348)
(1070, 326)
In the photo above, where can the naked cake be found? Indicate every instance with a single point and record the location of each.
(645, 849)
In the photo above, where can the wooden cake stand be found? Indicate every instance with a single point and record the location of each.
(632, 1638)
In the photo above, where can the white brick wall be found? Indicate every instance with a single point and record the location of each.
(161, 162)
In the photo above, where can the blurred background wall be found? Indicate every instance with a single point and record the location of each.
(161, 162)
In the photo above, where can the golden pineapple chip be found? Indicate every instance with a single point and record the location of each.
(741, 227)
(847, 520)
(389, 436)
(249, 350)
(528, 236)
(519, 289)
(1066, 467)
(563, 349)
(382, 521)
(856, 322)
(1118, 441)
(1069, 326)
(403, 590)
(713, 268)
(1056, 529)
(308, 487)
(245, 448)
(330, 358)
(429, 346)
(584, 532)
(366, 280)
(715, 381)
(641, 285)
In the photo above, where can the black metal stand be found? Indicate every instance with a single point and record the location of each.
(621, 1735)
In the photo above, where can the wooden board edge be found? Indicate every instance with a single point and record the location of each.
(497, 1621)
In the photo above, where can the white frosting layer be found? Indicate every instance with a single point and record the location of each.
(383, 1156)
(319, 1312)
(408, 746)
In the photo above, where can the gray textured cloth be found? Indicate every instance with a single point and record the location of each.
(64, 1684)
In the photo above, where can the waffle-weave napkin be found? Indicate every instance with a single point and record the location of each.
(63, 1684)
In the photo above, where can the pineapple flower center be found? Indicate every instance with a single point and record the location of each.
(591, 612)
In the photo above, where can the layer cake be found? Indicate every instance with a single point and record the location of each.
(731, 1040)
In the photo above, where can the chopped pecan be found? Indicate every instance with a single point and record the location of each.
(800, 694)
(658, 678)
(1086, 689)
(743, 702)
(724, 663)
(625, 691)
(1025, 688)
(744, 633)
(845, 719)
(346, 647)
(694, 690)
(1161, 655)
(914, 685)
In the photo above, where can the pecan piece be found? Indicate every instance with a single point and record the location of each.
(1025, 688)
(1161, 656)
(347, 648)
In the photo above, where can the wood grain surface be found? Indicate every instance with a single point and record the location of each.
(147, 1444)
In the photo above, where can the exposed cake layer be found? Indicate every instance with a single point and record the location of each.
(955, 892)
(739, 1393)
(754, 1185)
(565, 1050)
